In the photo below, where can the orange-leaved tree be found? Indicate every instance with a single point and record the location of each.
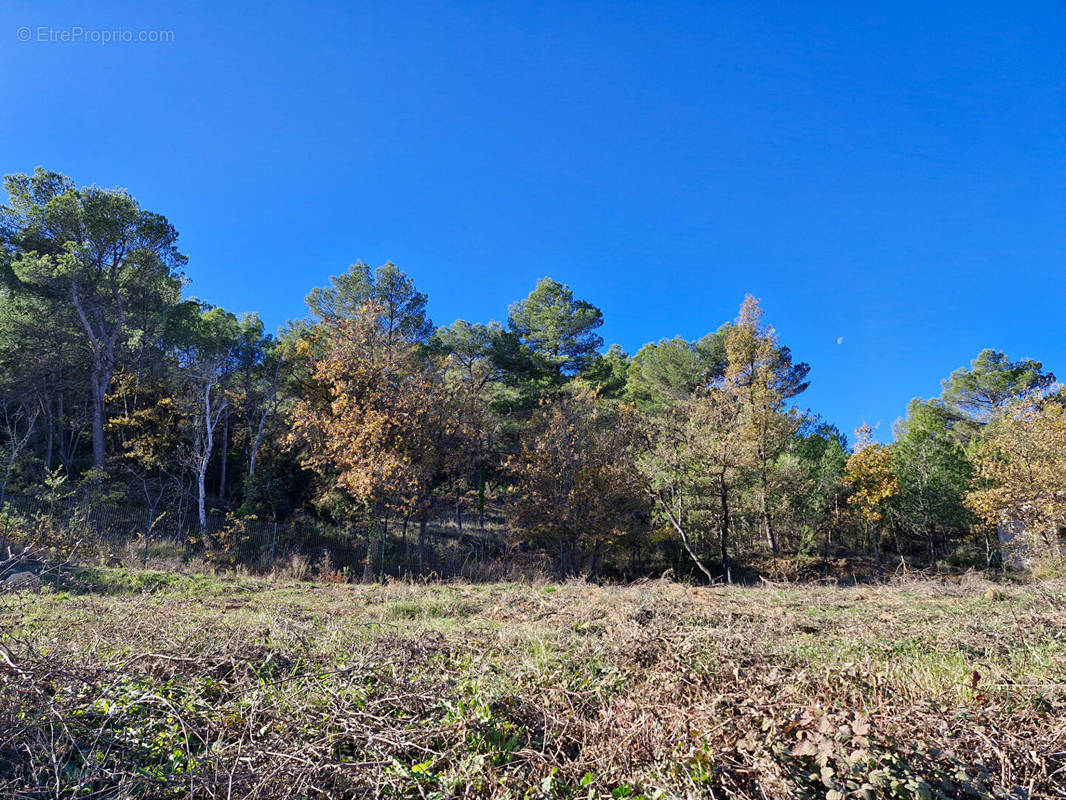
(575, 485)
(375, 421)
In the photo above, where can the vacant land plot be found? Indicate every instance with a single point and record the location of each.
(157, 686)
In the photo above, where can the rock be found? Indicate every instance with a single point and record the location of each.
(21, 582)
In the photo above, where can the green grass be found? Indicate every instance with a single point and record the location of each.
(156, 685)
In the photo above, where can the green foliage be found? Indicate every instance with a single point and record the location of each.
(168, 405)
(666, 373)
(256, 687)
(345, 296)
(933, 471)
(835, 757)
(558, 329)
(608, 373)
(106, 270)
(400, 307)
(973, 395)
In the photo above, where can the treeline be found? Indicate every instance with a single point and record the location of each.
(695, 455)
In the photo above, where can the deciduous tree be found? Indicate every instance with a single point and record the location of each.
(574, 481)
(206, 366)
(376, 421)
(872, 481)
(1021, 472)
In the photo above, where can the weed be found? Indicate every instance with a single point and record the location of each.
(140, 684)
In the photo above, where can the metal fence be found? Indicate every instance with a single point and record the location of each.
(114, 533)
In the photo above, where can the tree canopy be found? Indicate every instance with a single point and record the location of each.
(364, 416)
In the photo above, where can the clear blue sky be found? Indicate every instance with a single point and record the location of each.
(889, 173)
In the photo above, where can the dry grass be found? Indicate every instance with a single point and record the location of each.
(218, 687)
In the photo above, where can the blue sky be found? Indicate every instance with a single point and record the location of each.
(890, 173)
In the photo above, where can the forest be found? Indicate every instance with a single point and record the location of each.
(370, 423)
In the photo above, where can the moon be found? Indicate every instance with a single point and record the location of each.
(840, 340)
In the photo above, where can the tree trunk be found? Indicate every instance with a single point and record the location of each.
(201, 496)
(101, 380)
(64, 457)
(207, 444)
(253, 451)
(768, 524)
(677, 521)
(102, 343)
(372, 527)
(368, 568)
(597, 560)
(771, 538)
(268, 408)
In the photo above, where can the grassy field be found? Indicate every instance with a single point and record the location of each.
(150, 685)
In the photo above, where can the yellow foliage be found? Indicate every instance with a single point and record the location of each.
(375, 419)
(869, 473)
(1020, 468)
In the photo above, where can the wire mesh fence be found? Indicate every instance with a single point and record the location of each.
(125, 534)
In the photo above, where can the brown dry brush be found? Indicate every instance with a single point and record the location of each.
(764, 729)
(662, 696)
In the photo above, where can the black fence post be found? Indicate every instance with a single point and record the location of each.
(147, 541)
(273, 546)
(382, 553)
